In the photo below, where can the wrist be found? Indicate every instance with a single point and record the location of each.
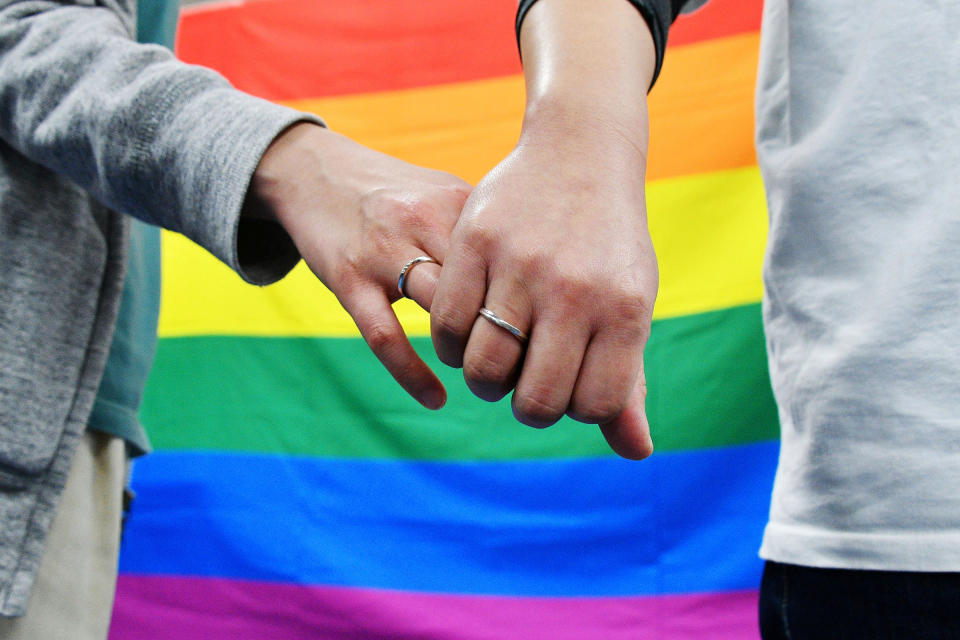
(571, 121)
(587, 68)
(280, 169)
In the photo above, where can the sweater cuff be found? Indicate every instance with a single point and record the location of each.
(234, 129)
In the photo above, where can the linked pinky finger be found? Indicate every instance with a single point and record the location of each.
(628, 434)
(378, 324)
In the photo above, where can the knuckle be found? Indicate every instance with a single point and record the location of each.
(631, 320)
(480, 238)
(597, 410)
(537, 407)
(456, 190)
(535, 264)
(623, 314)
(485, 370)
(380, 241)
(448, 338)
(632, 308)
(579, 288)
(571, 291)
(397, 206)
(413, 212)
(346, 275)
(446, 324)
(381, 338)
(461, 191)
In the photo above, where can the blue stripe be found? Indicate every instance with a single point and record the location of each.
(678, 522)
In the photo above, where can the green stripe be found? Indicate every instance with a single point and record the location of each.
(329, 397)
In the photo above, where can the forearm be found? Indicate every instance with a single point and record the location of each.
(587, 66)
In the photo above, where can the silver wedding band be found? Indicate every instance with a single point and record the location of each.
(402, 280)
(503, 324)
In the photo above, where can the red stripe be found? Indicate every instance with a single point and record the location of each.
(289, 49)
(218, 609)
(717, 19)
(292, 49)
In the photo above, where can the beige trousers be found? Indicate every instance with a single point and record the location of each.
(72, 597)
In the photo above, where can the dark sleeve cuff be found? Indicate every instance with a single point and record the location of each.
(265, 253)
(659, 15)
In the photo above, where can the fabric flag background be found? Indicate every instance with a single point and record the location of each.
(297, 492)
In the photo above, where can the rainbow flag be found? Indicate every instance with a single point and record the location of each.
(297, 492)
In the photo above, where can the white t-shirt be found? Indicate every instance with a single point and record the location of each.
(858, 134)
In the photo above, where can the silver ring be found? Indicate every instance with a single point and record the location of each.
(503, 324)
(402, 280)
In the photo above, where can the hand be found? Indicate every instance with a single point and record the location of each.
(357, 216)
(554, 240)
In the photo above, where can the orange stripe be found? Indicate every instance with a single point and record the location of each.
(701, 116)
(464, 128)
(701, 110)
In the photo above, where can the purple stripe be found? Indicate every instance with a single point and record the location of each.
(150, 607)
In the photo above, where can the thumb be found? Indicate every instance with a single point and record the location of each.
(629, 433)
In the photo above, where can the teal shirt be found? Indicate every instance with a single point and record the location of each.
(116, 410)
(157, 21)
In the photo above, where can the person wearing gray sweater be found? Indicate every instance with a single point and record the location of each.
(97, 129)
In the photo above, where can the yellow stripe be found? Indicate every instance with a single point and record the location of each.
(708, 231)
(202, 296)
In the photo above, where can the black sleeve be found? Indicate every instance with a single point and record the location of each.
(659, 15)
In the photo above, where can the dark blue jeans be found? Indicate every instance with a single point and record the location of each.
(804, 603)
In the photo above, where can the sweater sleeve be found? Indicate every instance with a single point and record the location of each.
(659, 15)
(169, 143)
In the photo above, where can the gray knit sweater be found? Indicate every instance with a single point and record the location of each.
(92, 124)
